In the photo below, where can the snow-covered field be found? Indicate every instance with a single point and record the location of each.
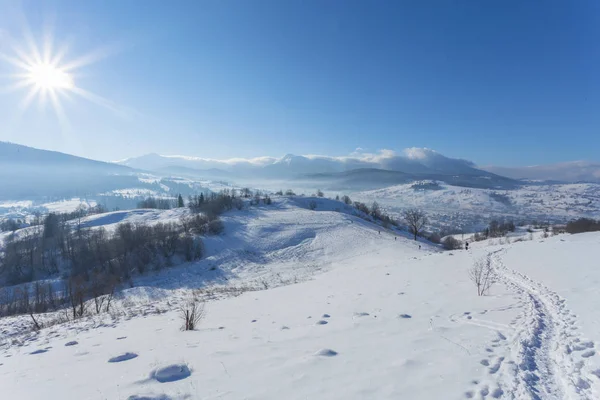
(472, 207)
(383, 319)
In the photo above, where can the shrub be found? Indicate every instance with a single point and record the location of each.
(312, 205)
(191, 314)
(451, 243)
(482, 275)
(583, 225)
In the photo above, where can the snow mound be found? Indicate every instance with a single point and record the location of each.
(326, 353)
(122, 357)
(171, 373)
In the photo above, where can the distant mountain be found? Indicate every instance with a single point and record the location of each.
(576, 171)
(211, 173)
(412, 161)
(29, 172)
(372, 178)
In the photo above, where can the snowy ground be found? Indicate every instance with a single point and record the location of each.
(384, 320)
(473, 208)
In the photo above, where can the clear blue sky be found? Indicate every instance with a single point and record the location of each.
(496, 82)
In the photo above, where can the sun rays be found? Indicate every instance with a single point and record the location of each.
(45, 75)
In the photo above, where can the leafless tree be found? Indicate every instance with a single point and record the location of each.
(416, 220)
(483, 276)
(192, 313)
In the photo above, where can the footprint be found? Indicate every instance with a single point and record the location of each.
(325, 316)
(122, 337)
(321, 322)
(500, 335)
(283, 328)
(485, 363)
(597, 373)
(489, 350)
(150, 397)
(171, 373)
(40, 351)
(581, 384)
(583, 346)
(494, 368)
(326, 353)
(469, 394)
(497, 393)
(72, 343)
(122, 357)
(484, 392)
(361, 314)
(588, 354)
(253, 320)
(405, 316)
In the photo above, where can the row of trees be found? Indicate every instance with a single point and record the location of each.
(583, 225)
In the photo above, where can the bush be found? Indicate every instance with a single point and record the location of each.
(312, 205)
(583, 225)
(450, 243)
(482, 275)
(191, 314)
(434, 238)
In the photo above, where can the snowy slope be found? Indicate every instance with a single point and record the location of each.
(470, 206)
(385, 320)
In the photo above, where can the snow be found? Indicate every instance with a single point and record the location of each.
(401, 322)
(473, 208)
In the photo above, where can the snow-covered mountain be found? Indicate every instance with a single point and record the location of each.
(26, 172)
(411, 161)
(575, 171)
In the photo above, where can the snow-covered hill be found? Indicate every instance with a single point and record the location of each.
(575, 171)
(470, 207)
(383, 320)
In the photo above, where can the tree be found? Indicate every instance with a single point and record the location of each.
(375, 210)
(346, 199)
(312, 205)
(180, 201)
(337, 197)
(320, 193)
(416, 220)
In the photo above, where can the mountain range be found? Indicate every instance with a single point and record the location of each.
(30, 172)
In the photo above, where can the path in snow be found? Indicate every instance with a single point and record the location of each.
(545, 358)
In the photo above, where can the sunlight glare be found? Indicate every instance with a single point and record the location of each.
(48, 77)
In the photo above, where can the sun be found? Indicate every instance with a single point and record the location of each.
(43, 73)
(46, 76)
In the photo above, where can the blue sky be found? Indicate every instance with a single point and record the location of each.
(496, 82)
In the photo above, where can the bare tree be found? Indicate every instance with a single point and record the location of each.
(320, 193)
(416, 220)
(482, 274)
(192, 313)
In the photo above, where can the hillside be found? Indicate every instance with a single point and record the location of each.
(378, 310)
(472, 207)
(26, 172)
